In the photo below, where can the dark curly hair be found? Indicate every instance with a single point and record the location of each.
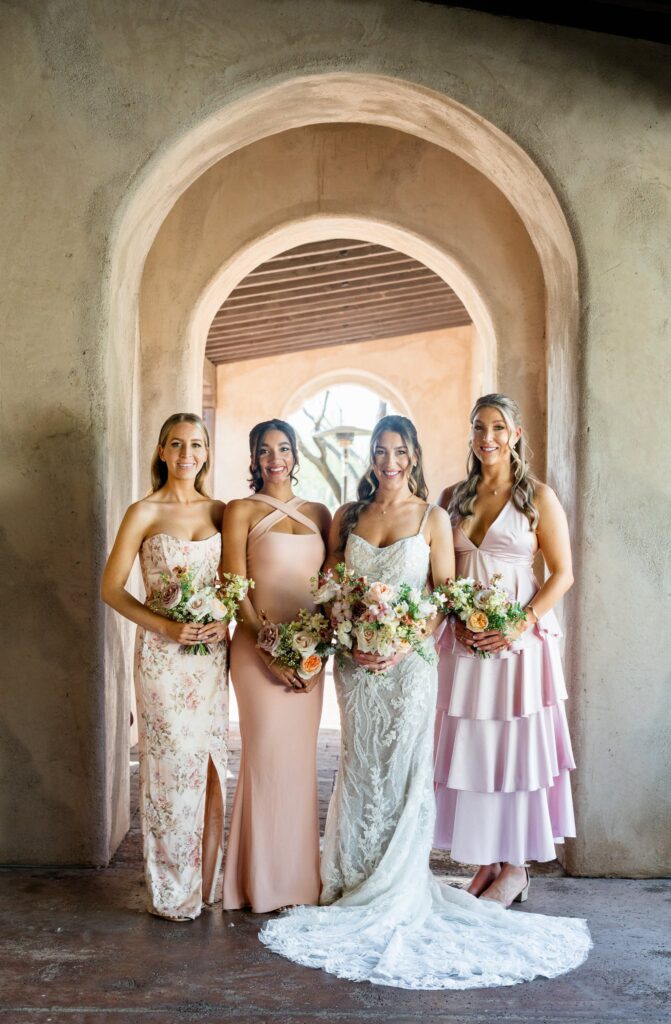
(256, 436)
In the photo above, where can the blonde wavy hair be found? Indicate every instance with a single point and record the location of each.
(463, 498)
(159, 470)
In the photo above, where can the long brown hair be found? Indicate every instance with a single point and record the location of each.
(463, 498)
(256, 436)
(159, 470)
(369, 483)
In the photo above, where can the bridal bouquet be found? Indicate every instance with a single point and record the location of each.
(378, 617)
(481, 606)
(180, 601)
(303, 644)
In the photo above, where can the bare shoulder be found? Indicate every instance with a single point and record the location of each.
(446, 495)
(439, 519)
(545, 498)
(340, 512)
(239, 510)
(336, 522)
(140, 514)
(318, 512)
(217, 508)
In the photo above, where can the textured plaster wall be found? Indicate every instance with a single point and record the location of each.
(435, 373)
(99, 93)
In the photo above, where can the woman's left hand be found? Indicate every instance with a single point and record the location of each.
(213, 633)
(376, 662)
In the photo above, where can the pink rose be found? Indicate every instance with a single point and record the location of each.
(379, 593)
(268, 638)
(366, 637)
(171, 595)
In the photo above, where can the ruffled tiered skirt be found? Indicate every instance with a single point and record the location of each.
(502, 753)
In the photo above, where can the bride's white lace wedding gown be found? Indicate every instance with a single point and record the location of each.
(388, 920)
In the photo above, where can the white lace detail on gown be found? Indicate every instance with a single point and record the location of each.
(388, 920)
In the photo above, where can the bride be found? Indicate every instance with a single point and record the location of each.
(385, 918)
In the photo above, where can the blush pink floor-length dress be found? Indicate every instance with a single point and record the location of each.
(182, 702)
(272, 858)
(502, 746)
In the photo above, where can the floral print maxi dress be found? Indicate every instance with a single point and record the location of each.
(182, 702)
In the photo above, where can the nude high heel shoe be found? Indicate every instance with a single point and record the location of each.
(523, 895)
(497, 892)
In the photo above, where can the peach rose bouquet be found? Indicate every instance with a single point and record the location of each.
(304, 643)
(481, 606)
(179, 600)
(376, 617)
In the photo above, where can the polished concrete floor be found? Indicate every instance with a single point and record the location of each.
(76, 946)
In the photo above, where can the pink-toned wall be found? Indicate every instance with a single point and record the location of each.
(435, 374)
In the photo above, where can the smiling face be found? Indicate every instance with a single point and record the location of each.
(275, 457)
(491, 437)
(185, 451)
(392, 461)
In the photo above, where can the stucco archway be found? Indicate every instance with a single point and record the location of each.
(142, 368)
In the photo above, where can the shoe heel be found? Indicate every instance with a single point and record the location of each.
(523, 896)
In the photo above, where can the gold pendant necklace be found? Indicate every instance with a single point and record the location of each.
(383, 511)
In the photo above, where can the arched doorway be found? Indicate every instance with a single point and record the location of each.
(466, 201)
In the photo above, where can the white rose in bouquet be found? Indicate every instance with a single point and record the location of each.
(329, 589)
(304, 643)
(344, 633)
(199, 604)
(218, 610)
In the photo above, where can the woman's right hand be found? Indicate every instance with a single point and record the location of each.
(181, 632)
(284, 674)
(463, 635)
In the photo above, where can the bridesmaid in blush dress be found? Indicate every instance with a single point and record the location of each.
(272, 858)
(503, 752)
(182, 698)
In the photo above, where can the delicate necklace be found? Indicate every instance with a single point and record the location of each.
(495, 490)
(393, 504)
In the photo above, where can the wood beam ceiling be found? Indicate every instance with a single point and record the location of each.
(330, 293)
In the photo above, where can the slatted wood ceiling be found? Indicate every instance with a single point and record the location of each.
(330, 293)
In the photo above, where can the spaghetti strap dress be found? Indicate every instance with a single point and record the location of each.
(272, 858)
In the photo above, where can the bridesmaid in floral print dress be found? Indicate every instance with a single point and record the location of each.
(182, 698)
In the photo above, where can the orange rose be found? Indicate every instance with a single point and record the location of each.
(478, 622)
(310, 665)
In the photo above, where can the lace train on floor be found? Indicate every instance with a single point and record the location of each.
(447, 940)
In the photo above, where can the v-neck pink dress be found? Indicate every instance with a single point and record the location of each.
(272, 858)
(502, 746)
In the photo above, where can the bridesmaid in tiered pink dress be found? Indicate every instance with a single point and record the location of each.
(272, 857)
(503, 751)
(182, 698)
